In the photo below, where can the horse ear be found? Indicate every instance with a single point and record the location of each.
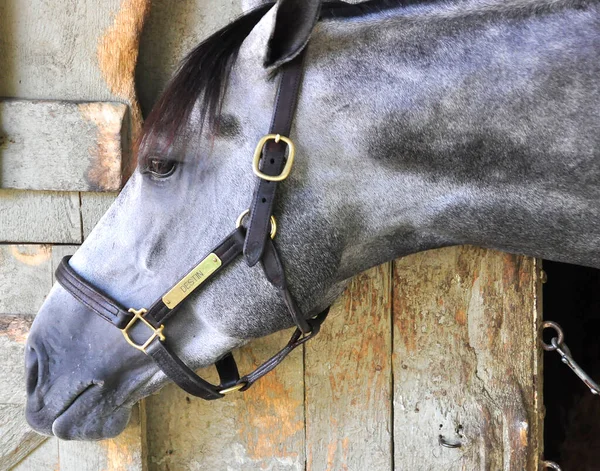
(293, 25)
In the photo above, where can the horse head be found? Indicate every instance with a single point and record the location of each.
(410, 132)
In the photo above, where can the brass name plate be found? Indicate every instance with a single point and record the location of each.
(191, 281)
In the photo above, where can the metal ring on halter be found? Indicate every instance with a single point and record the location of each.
(559, 340)
(550, 465)
(241, 217)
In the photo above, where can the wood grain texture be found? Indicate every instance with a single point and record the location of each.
(45, 217)
(43, 458)
(348, 380)
(262, 428)
(13, 334)
(17, 440)
(25, 277)
(83, 50)
(123, 453)
(63, 146)
(466, 361)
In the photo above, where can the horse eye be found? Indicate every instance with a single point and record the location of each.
(160, 168)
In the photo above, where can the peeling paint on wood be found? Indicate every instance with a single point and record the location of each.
(348, 380)
(39, 217)
(466, 361)
(15, 328)
(118, 51)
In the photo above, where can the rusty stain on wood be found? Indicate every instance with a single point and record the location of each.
(15, 328)
(124, 452)
(33, 255)
(105, 169)
(348, 380)
(118, 51)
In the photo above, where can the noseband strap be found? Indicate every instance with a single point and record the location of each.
(272, 163)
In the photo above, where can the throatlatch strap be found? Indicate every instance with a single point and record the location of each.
(272, 162)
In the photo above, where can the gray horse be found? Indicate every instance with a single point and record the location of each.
(419, 125)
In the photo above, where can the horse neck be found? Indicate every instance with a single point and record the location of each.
(443, 129)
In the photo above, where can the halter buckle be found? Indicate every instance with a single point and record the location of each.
(138, 316)
(288, 164)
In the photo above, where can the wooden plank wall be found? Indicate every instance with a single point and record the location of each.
(439, 347)
(81, 54)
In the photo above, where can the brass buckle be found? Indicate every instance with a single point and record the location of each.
(241, 217)
(137, 315)
(288, 165)
(235, 388)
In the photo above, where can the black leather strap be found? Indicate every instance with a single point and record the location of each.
(91, 296)
(275, 273)
(227, 250)
(272, 162)
(297, 339)
(193, 384)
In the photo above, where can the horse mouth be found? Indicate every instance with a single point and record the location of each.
(71, 413)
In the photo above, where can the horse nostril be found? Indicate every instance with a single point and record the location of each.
(31, 369)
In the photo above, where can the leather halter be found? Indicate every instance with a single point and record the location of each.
(272, 162)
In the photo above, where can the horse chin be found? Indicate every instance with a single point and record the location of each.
(84, 420)
(74, 426)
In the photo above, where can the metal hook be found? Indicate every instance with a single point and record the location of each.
(449, 444)
(557, 344)
(549, 465)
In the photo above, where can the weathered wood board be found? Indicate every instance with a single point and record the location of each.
(82, 50)
(25, 277)
(39, 217)
(263, 428)
(13, 334)
(348, 369)
(447, 354)
(49, 217)
(466, 361)
(45, 457)
(17, 440)
(63, 146)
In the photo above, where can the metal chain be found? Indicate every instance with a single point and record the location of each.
(557, 344)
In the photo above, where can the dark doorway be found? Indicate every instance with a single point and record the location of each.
(572, 423)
